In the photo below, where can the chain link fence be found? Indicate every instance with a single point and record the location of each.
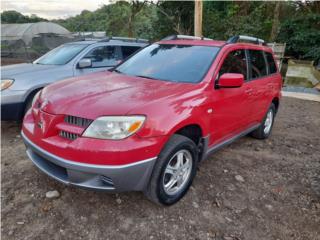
(18, 51)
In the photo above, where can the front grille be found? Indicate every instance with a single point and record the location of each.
(68, 135)
(107, 181)
(81, 122)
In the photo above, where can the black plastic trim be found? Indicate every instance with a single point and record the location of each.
(12, 111)
(218, 146)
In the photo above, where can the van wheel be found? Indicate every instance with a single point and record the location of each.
(28, 105)
(265, 128)
(174, 171)
(29, 100)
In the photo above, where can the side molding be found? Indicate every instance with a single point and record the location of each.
(211, 149)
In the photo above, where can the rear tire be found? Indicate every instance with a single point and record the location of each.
(264, 130)
(173, 172)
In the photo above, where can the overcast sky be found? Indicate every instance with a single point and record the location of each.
(51, 9)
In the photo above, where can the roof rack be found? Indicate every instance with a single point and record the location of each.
(187, 37)
(89, 39)
(125, 39)
(238, 38)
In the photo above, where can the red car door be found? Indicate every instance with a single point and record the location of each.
(261, 81)
(231, 106)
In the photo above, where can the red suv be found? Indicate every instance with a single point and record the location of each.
(146, 124)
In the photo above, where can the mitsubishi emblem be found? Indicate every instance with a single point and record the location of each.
(40, 124)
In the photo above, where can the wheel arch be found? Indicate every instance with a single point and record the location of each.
(30, 95)
(192, 131)
(276, 103)
(196, 133)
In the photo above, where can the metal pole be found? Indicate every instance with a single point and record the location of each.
(198, 6)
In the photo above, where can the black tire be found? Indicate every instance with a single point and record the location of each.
(260, 133)
(27, 106)
(155, 190)
(28, 102)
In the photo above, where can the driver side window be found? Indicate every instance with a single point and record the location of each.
(235, 62)
(105, 56)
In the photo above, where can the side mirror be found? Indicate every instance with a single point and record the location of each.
(85, 63)
(230, 80)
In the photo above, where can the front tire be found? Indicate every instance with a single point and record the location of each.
(265, 128)
(174, 171)
(28, 102)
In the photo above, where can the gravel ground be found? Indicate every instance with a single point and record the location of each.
(249, 190)
(301, 89)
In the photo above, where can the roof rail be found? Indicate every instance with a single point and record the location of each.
(89, 39)
(187, 37)
(238, 38)
(125, 39)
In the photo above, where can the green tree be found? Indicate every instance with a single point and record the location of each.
(16, 17)
(174, 17)
(302, 35)
(293, 22)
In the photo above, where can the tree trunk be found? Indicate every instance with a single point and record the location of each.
(275, 24)
(130, 26)
(135, 8)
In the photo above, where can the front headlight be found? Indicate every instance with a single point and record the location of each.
(5, 83)
(114, 127)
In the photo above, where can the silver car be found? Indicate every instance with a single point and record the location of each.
(20, 82)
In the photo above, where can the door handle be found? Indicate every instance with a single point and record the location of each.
(270, 86)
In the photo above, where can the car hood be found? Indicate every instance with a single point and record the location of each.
(30, 76)
(106, 93)
(12, 71)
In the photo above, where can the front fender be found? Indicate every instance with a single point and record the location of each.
(166, 119)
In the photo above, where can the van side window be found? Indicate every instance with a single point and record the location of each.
(235, 62)
(271, 63)
(128, 51)
(258, 64)
(105, 56)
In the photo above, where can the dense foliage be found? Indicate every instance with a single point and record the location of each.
(293, 22)
(16, 17)
(302, 36)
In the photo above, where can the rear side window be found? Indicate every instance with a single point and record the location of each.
(235, 62)
(258, 64)
(271, 63)
(128, 50)
(105, 56)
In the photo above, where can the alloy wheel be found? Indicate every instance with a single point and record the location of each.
(177, 172)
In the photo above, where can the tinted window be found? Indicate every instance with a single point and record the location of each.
(235, 62)
(176, 63)
(105, 56)
(258, 64)
(61, 55)
(271, 63)
(128, 50)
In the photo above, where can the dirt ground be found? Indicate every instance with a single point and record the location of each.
(278, 199)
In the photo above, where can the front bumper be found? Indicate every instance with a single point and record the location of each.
(128, 177)
(12, 105)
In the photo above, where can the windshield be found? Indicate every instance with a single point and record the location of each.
(61, 55)
(176, 63)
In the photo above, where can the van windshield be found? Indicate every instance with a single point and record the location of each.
(169, 62)
(61, 55)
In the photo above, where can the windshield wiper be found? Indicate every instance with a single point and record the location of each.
(117, 71)
(142, 76)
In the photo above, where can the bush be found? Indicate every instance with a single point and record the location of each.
(302, 36)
